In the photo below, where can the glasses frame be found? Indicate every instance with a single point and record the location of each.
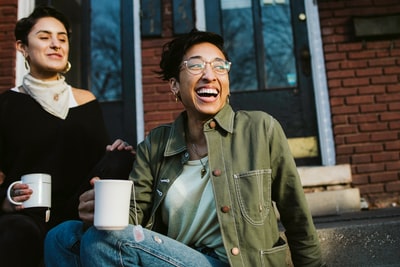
(204, 64)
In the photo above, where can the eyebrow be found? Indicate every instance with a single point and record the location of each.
(200, 57)
(48, 32)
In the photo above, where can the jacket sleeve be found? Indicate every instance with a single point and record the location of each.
(287, 192)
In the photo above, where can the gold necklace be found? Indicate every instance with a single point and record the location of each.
(203, 170)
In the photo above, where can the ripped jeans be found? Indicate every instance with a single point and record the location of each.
(67, 245)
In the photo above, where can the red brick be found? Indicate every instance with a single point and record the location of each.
(381, 62)
(344, 150)
(393, 166)
(392, 186)
(340, 74)
(361, 158)
(373, 108)
(393, 145)
(372, 89)
(391, 70)
(360, 179)
(365, 168)
(339, 119)
(369, 72)
(353, 64)
(368, 148)
(373, 127)
(356, 81)
(345, 129)
(386, 156)
(343, 92)
(384, 136)
(345, 110)
(390, 116)
(382, 177)
(394, 125)
(371, 188)
(357, 138)
(386, 79)
(356, 100)
(394, 106)
(363, 118)
(388, 98)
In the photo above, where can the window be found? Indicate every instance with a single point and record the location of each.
(261, 46)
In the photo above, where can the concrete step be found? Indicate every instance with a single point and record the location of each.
(364, 238)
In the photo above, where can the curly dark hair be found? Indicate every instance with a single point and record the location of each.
(174, 51)
(24, 25)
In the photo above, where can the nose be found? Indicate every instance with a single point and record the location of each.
(55, 44)
(208, 72)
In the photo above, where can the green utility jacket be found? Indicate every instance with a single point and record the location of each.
(251, 167)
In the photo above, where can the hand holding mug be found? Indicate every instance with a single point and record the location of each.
(33, 190)
(19, 193)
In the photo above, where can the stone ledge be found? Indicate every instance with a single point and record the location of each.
(333, 202)
(325, 175)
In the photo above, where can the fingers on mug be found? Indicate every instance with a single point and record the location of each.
(9, 190)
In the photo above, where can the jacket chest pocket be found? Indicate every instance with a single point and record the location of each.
(253, 190)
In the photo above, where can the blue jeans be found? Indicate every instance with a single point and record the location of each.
(119, 248)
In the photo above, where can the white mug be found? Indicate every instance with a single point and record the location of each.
(111, 204)
(40, 183)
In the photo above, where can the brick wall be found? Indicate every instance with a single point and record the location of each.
(8, 15)
(159, 103)
(363, 80)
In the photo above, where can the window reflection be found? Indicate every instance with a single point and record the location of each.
(105, 49)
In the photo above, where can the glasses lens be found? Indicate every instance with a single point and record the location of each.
(220, 66)
(195, 65)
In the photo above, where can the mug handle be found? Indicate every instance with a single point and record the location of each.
(9, 193)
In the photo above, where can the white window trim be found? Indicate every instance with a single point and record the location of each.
(25, 7)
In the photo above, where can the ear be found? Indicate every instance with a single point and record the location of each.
(174, 85)
(21, 47)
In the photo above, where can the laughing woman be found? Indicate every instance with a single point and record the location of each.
(204, 184)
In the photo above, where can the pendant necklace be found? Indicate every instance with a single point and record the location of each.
(203, 170)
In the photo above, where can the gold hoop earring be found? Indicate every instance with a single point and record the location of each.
(67, 67)
(26, 64)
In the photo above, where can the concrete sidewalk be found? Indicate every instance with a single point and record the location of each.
(364, 238)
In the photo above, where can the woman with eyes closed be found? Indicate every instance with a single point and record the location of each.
(204, 185)
(47, 126)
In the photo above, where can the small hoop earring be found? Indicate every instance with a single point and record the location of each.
(67, 67)
(26, 64)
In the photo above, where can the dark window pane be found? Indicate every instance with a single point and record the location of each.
(278, 42)
(239, 41)
(278, 55)
(105, 47)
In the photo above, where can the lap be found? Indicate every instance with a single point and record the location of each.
(120, 248)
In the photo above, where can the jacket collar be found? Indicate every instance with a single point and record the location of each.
(176, 141)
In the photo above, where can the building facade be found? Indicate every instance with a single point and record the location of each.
(337, 94)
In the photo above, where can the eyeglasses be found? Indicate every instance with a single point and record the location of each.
(197, 65)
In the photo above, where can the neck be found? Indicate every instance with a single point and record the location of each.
(196, 140)
(45, 76)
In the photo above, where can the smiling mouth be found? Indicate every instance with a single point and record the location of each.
(204, 92)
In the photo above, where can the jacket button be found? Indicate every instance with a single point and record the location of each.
(213, 124)
(225, 209)
(217, 172)
(235, 251)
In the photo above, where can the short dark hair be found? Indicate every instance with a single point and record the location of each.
(173, 51)
(25, 25)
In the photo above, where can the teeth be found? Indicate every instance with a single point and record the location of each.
(207, 91)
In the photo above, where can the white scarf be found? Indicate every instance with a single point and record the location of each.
(53, 96)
